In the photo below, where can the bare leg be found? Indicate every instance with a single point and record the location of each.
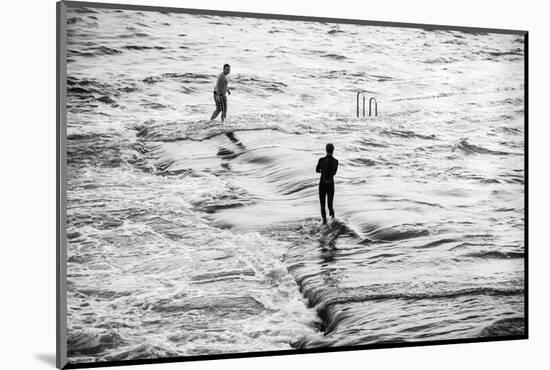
(223, 100)
(218, 110)
(224, 112)
(215, 114)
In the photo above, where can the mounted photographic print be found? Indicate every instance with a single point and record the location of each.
(234, 184)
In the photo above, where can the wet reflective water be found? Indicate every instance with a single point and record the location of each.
(189, 237)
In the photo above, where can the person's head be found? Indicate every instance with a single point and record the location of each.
(226, 69)
(330, 148)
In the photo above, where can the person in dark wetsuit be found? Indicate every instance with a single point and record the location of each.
(327, 167)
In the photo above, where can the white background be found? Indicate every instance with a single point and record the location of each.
(27, 155)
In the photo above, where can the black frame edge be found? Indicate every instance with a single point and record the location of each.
(526, 181)
(61, 198)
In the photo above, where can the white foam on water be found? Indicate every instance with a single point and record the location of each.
(187, 237)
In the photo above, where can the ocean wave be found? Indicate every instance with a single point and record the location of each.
(149, 348)
(382, 78)
(329, 299)
(200, 130)
(465, 147)
(372, 143)
(235, 284)
(514, 52)
(436, 243)
(509, 130)
(189, 77)
(308, 230)
(363, 162)
(425, 97)
(143, 47)
(105, 99)
(504, 327)
(237, 306)
(88, 91)
(342, 73)
(103, 152)
(84, 86)
(456, 41)
(521, 40)
(73, 20)
(346, 340)
(438, 31)
(334, 56)
(92, 341)
(82, 10)
(93, 51)
(233, 198)
(513, 179)
(490, 181)
(440, 60)
(332, 305)
(134, 34)
(407, 134)
(256, 83)
(495, 255)
(393, 233)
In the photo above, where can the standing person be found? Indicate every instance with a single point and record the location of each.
(327, 167)
(219, 93)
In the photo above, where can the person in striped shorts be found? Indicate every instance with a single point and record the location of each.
(219, 93)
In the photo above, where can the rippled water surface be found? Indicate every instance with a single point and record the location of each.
(189, 237)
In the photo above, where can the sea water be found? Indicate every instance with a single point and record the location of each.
(190, 237)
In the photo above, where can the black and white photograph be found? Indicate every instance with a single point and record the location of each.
(242, 184)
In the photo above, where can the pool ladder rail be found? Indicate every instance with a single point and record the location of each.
(371, 101)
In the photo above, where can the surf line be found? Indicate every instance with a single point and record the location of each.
(318, 298)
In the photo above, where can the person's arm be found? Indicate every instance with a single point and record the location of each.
(318, 168)
(335, 167)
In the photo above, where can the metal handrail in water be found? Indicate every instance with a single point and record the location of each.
(360, 93)
(375, 106)
(370, 104)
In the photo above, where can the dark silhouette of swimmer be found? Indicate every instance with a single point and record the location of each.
(327, 167)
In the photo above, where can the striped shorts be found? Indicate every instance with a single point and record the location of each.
(221, 103)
